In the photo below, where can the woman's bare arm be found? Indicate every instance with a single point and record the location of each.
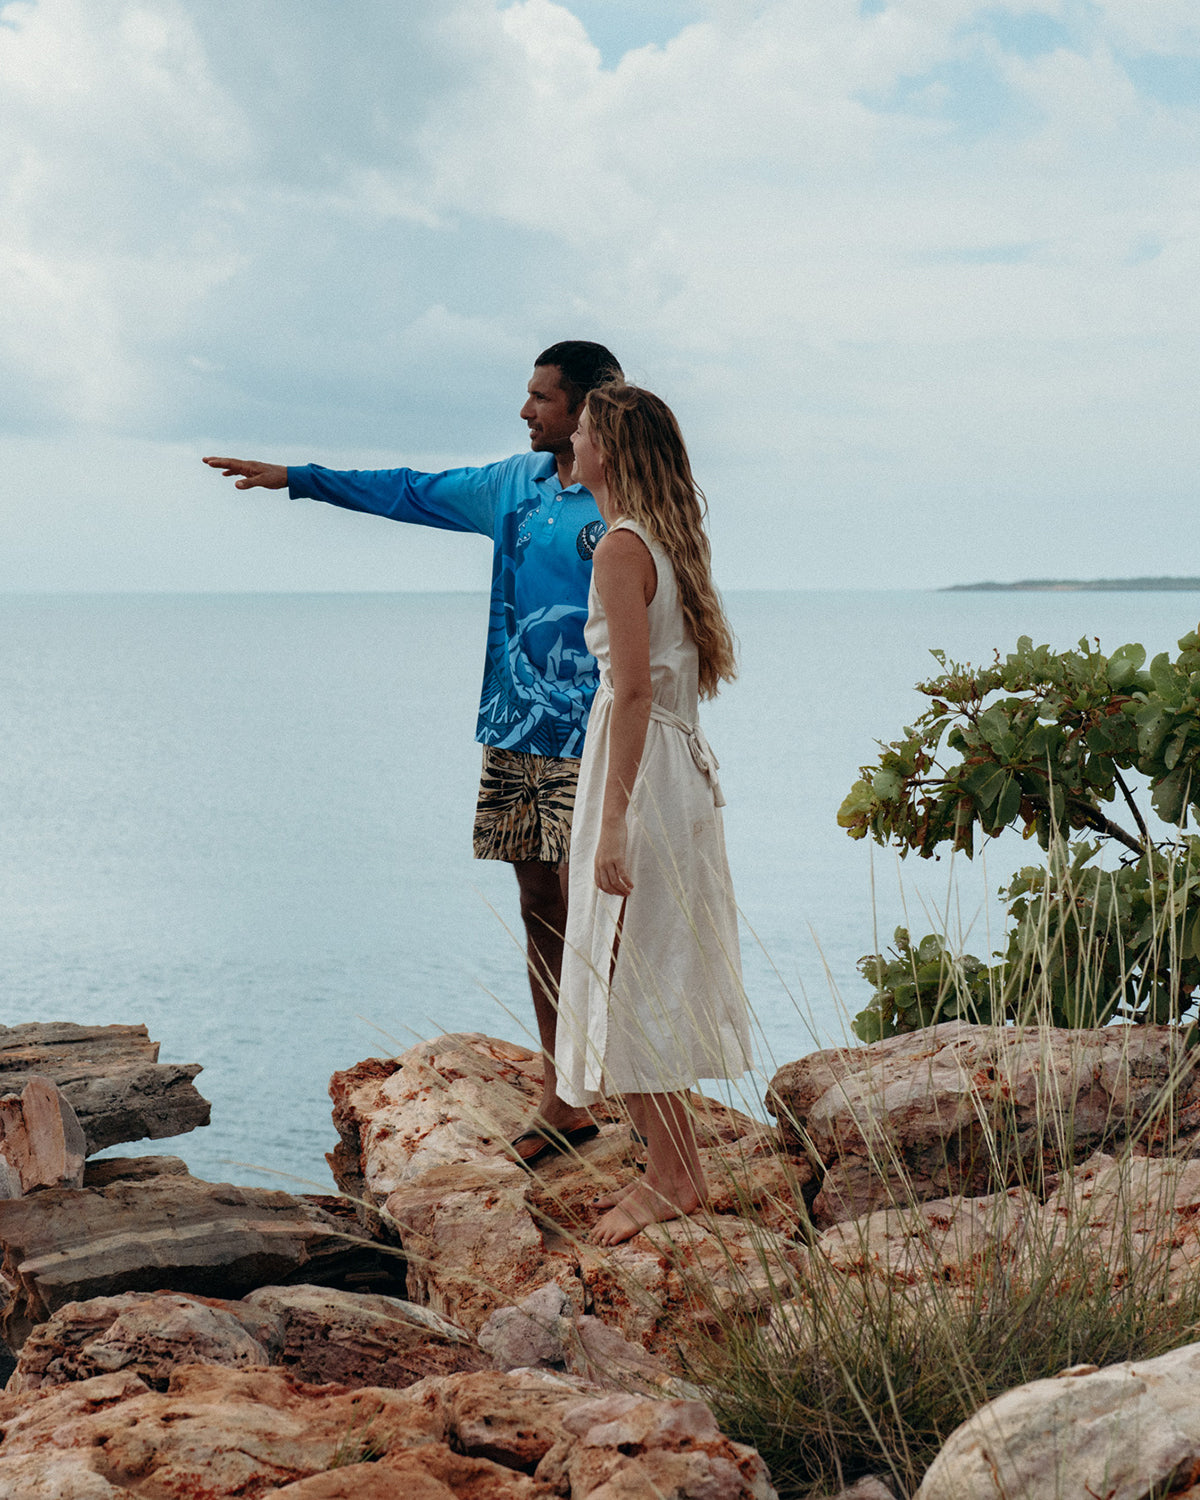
(625, 580)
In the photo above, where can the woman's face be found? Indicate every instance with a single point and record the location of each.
(589, 461)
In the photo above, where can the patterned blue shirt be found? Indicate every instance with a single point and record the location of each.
(538, 678)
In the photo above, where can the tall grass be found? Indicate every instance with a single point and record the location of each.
(864, 1369)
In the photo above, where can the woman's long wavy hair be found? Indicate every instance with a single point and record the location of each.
(650, 480)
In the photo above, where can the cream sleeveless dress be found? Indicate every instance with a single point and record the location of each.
(671, 1009)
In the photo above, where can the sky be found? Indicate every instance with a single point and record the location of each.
(921, 278)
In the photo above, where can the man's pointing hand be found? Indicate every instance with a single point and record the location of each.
(255, 475)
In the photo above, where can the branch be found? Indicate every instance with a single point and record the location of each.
(1105, 825)
(1133, 808)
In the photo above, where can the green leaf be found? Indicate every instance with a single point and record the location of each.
(985, 783)
(994, 724)
(870, 1026)
(930, 949)
(1163, 676)
(1123, 665)
(887, 786)
(1099, 738)
(1168, 796)
(857, 804)
(1154, 723)
(1083, 852)
(1176, 745)
(1008, 805)
(1041, 741)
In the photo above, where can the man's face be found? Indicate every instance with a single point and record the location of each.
(551, 417)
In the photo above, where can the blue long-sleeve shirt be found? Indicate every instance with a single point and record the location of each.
(538, 678)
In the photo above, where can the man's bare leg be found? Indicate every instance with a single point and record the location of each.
(543, 889)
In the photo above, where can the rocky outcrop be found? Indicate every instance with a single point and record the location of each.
(423, 1139)
(348, 1338)
(469, 1341)
(147, 1334)
(223, 1432)
(170, 1231)
(316, 1334)
(1106, 1217)
(41, 1140)
(544, 1331)
(910, 1118)
(177, 1336)
(1125, 1432)
(112, 1077)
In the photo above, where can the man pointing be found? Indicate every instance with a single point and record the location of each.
(538, 679)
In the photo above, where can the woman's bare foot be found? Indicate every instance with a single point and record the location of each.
(610, 1200)
(639, 1207)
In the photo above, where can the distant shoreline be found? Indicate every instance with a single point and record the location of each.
(1077, 585)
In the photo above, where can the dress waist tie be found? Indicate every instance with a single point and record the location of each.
(697, 744)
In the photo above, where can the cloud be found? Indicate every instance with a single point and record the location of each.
(871, 252)
(110, 117)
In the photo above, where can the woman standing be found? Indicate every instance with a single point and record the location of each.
(651, 997)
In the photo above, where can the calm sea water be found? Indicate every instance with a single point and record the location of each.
(245, 821)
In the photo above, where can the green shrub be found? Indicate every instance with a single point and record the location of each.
(1046, 742)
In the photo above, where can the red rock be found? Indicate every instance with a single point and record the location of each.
(355, 1339)
(173, 1233)
(543, 1329)
(219, 1433)
(111, 1076)
(140, 1333)
(215, 1432)
(471, 1241)
(316, 1334)
(426, 1139)
(689, 1272)
(909, 1118)
(41, 1140)
(1125, 1432)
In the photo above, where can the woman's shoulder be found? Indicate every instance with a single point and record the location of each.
(627, 533)
(624, 553)
(624, 543)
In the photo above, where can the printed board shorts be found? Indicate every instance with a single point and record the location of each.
(525, 805)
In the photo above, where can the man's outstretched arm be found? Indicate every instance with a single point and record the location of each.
(255, 475)
(455, 500)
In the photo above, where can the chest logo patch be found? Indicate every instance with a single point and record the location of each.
(588, 539)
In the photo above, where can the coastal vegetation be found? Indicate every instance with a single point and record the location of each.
(865, 1366)
(1061, 746)
(869, 1361)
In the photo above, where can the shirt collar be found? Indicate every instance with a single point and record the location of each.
(548, 473)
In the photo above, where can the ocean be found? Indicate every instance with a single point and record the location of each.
(245, 821)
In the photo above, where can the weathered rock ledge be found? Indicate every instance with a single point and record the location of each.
(111, 1077)
(423, 1145)
(181, 1337)
(465, 1338)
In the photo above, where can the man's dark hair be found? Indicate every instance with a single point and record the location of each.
(581, 365)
